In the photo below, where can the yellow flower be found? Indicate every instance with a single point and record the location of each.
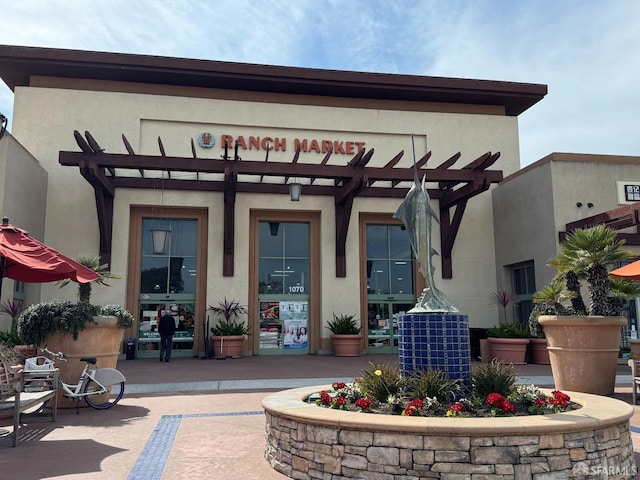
(378, 373)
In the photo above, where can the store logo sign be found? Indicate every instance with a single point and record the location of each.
(206, 140)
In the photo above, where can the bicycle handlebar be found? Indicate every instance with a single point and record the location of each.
(58, 355)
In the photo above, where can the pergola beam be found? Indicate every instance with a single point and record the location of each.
(453, 188)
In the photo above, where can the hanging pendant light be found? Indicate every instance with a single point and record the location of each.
(295, 189)
(160, 236)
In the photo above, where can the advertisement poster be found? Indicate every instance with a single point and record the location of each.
(295, 322)
(270, 326)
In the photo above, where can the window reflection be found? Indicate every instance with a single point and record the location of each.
(174, 272)
(389, 261)
(283, 264)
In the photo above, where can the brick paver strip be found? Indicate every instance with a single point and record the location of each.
(153, 458)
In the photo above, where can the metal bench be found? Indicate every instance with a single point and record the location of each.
(15, 399)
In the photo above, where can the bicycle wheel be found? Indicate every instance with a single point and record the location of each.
(102, 401)
(37, 385)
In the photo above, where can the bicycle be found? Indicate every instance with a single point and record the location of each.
(93, 381)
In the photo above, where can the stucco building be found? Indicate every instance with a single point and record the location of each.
(108, 150)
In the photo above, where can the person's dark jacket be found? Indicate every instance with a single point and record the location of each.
(166, 325)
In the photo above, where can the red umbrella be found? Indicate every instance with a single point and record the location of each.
(25, 259)
(631, 271)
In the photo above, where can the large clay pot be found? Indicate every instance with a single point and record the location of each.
(346, 345)
(634, 346)
(539, 352)
(509, 350)
(102, 340)
(229, 346)
(583, 351)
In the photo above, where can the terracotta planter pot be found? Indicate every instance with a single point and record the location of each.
(509, 350)
(102, 340)
(539, 352)
(634, 345)
(228, 346)
(346, 345)
(583, 351)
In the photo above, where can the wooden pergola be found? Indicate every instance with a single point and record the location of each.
(452, 188)
(618, 219)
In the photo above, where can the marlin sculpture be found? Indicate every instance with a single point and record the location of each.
(416, 213)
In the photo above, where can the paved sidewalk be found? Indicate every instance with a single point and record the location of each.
(195, 419)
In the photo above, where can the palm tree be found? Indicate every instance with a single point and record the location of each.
(92, 262)
(587, 253)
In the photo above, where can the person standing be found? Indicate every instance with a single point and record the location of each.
(166, 329)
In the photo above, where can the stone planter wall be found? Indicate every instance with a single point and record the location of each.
(307, 442)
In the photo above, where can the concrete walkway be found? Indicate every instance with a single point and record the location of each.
(195, 419)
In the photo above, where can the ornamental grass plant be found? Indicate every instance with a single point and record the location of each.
(381, 389)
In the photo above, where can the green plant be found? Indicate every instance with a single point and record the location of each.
(382, 382)
(125, 319)
(39, 320)
(492, 377)
(92, 262)
(343, 324)
(432, 384)
(228, 324)
(13, 308)
(516, 329)
(588, 253)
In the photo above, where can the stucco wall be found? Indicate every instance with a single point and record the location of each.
(533, 206)
(44, 119)
(23, 191)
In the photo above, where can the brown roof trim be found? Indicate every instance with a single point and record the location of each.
(18, 64)
(576, 158)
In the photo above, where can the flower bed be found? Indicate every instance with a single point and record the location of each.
(521, 400)
(306, 441)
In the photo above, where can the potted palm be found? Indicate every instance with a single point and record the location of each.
(229, 333)
(345, 335)
(584, 345)
(508, 340)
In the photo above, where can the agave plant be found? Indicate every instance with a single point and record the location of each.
(588, 253)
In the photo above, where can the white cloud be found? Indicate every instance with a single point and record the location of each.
(587, 52)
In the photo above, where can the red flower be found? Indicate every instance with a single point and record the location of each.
(495, 400)
(413, 407)
(325, 398)
(364, 403)
(508, 407)
(338, 385)
(340, 401)
(456, 407)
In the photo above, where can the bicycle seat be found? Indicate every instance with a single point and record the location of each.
(91, 360)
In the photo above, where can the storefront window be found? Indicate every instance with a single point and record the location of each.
(524, 286)
(172, 270)
(283, 288)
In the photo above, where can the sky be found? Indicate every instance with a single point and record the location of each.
(586, 51)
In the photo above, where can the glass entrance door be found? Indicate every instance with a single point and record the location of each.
(167, 283)
(283, 288)
(382, 324)
(390, 285)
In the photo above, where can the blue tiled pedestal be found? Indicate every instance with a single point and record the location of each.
(438, 341)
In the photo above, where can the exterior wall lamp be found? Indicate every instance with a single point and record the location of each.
(295, 189)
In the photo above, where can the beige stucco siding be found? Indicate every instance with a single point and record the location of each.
(45, 119)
